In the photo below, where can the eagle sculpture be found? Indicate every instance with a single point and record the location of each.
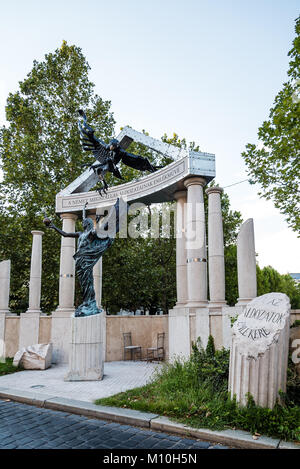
(108, 155)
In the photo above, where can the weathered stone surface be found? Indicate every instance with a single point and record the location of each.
(4, 286)
(34, 357)
(259, 350)
(86, 360)
(246, 263)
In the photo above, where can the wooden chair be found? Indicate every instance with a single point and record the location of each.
(158, 352)
(135, 350)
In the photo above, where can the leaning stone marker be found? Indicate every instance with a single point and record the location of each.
(259, 350)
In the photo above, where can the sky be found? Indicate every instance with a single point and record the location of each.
(208, 70)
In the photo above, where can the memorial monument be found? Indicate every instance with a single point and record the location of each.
(86, 355)
(259, 350)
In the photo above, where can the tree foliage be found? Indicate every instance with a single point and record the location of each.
(275, 165)
(269, 280)
(40, 155)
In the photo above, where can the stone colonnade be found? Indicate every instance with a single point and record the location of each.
(190, 318)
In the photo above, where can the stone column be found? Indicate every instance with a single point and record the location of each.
(216, 267)
(196, 244)
(97, 273)
(4, 286)
(35, 273)
(246, 263)
(67, 265)
(61, 318)
(181, 264)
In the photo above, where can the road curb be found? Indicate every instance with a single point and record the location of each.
(155, 422)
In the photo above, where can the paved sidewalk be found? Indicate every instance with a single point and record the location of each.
(118, 377)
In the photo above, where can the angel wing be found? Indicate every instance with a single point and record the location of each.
(90, 142)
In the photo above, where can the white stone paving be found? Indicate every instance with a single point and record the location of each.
(118, 377)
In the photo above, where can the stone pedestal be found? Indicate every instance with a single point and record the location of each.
(216, 266)
(67, 266)
(196, 244)
(86, 361)
(259, 350)
(35, 273)
(246, 263)
(4, 286)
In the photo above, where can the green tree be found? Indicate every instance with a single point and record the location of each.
(276, 166)
(40, 155)
(269, 280)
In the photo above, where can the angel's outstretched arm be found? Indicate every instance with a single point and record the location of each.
(63, 233)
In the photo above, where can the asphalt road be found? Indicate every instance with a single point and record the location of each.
(28, 427)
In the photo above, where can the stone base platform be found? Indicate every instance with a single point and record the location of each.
(86, 359)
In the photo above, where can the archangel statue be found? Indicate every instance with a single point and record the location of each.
(89, 250)
(109, 155)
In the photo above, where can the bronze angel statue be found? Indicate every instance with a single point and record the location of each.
(109, 155)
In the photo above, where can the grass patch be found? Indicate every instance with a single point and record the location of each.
(7, 367)
(194, 392)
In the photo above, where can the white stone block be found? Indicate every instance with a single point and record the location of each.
(4, 286)
(259, 351)
(179, 333)
(34, 357)
(86, 360)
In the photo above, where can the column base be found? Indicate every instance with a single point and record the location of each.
(65, 310)
(216, 305)
(86, 361)
(196, 304)
(35, 311)
(243, 301)
(179, 305)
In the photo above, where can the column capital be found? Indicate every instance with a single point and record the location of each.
(214, 190)
(71, 216)
(180, 195)
(198, 181)
(36, 232)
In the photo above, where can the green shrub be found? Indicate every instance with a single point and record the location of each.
(7, 367)
(194, 392)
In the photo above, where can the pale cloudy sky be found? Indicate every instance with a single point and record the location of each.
(208, 70)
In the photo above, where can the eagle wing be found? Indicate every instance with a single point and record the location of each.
(90, 142)
(136, 161)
